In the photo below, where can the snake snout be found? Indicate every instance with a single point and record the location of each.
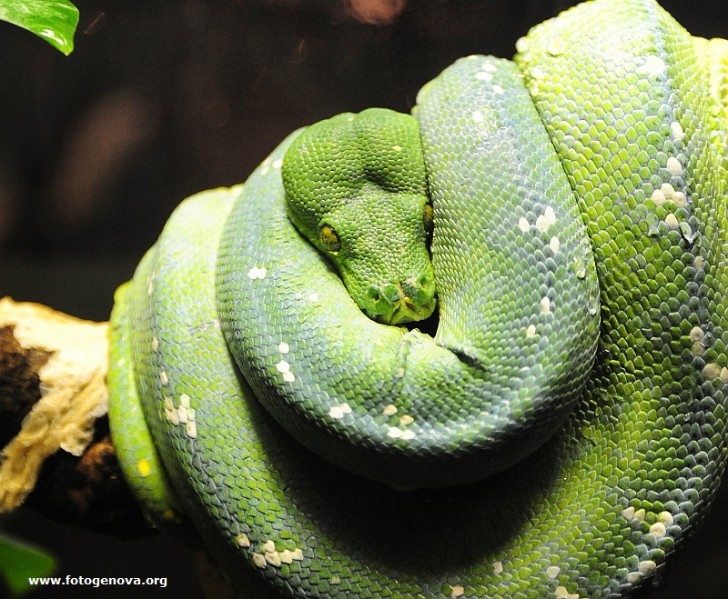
(409, 300)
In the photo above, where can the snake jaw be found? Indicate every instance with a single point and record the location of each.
(409, 309)
(410, 300)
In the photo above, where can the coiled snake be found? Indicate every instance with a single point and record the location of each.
(554, 426)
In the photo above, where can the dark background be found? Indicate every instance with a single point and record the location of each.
(162, 99)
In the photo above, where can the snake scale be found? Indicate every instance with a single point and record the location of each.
(555, 425)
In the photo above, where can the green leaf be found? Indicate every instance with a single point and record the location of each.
(19, 561)
(53, 20)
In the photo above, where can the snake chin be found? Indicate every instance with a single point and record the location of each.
(427, 326)
(411, 300)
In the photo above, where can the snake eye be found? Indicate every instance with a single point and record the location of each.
(428, 220)
(329, 238)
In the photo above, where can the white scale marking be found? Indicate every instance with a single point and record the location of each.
(257, 272)
(653, 66)
(674, 166)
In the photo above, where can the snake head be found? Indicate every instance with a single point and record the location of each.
(356, 188)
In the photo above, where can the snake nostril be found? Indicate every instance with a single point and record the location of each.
(387, 294)
(391, 293)
(414, 288)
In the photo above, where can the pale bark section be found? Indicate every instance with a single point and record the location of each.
(72, 387)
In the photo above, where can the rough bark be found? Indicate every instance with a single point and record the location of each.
(58, 457)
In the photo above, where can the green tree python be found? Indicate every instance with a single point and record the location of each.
(476, 351)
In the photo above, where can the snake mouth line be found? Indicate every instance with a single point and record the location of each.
(427, 326)
(410, 309)
(400, 303)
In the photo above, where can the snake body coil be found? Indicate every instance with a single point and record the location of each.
(577, 378)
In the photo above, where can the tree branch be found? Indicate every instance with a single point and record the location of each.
(57, 455)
